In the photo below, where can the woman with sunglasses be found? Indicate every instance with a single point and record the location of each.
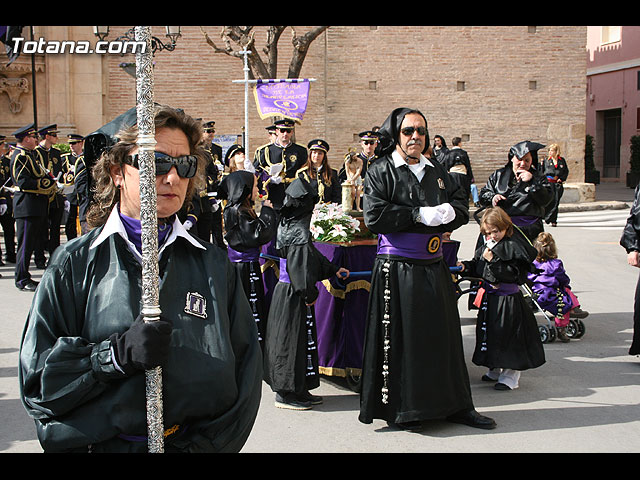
(86, 348)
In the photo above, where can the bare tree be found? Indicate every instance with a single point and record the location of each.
(236, 39)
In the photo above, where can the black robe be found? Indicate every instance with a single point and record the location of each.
(290, 353)
(507, 333)
(630, 240)
(245, 234)
(523, 199)
(428, 376)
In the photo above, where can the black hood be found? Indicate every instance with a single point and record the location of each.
(300, 199)
(236, 187)
(390, 130)
(522, 148)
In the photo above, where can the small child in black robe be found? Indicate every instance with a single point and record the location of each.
(507, 336)
(290, 354)
(245, 233)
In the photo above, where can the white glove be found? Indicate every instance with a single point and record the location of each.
(430, 216)
(274, 170)
(215, 204)
(3, 209)
(448, 213)
(187, 224)
(434, 216)
(248, 166)
(276, 180)
(67, 206)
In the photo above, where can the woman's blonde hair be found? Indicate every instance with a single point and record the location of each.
(497, 217)
(546, 247)
(106, 194)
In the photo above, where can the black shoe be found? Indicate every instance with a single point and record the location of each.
(487, 378)
(413, 426)
(291, 402)
(29, 286)
(578, 313)
(308, 397)
(472, 419)
(501, 386)
(10, 259)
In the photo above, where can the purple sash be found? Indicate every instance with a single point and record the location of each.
(284, 276)
(503, 289)
(421, 246)
(524, 220)
(252, 255)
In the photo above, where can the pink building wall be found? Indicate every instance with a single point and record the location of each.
(612, 83)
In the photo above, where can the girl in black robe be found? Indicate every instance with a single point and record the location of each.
(290, 353)
(507, 336)
(245, 233)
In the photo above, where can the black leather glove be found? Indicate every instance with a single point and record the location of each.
(144, 346)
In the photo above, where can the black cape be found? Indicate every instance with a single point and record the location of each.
(245, 232)
(290, 355)
(507, 333)
(428, 376)
(630, 241)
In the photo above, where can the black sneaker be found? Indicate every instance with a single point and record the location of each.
(291, 402)
(578, 313)
(308, 397)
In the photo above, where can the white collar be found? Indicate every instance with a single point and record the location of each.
(398, 160)
(114, 225)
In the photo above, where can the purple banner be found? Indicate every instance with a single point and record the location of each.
(282, 98)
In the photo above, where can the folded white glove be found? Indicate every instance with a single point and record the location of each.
(448, 213)
(215, 204)
(438, 215)
(274, 170)
(3, 209)
(67, 206)
(430, 216)
(187, 224)
(276, 180)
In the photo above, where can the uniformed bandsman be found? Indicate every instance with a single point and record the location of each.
(30, 201)
(277, 163)
(6, 207)
(369, 141)
(52, 161)
(69, 159)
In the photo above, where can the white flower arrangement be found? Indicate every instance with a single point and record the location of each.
(329, 223)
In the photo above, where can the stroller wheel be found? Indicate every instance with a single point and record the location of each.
(572, 329)
(580, 328)
(553, 334)
(545, 333)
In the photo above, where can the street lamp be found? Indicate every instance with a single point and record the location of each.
(172, 33)
(101, 32)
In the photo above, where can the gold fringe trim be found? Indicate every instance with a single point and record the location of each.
(340, 372)
(357, 285)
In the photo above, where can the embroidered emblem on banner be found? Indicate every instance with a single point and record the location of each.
(196, 305)
(440, 183)
(434, 245)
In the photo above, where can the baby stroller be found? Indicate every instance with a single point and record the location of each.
(549, 332)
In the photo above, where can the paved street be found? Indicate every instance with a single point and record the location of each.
(586, 398)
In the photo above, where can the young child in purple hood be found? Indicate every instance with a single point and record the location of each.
(551, 285)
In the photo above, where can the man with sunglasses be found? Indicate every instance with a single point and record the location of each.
(34, 187)
(277, 164)
(413, 362)
(368, 143)
(86, 347)
(51, 158)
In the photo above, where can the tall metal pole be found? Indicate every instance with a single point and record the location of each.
(246, 101)
(149, 221)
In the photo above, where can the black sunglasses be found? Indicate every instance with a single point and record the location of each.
(186, 165)
(408, 131)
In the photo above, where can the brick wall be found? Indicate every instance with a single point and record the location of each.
(519, 83)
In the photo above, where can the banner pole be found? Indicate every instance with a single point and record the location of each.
(149, 222)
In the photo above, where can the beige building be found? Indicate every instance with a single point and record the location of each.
(492, 85)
